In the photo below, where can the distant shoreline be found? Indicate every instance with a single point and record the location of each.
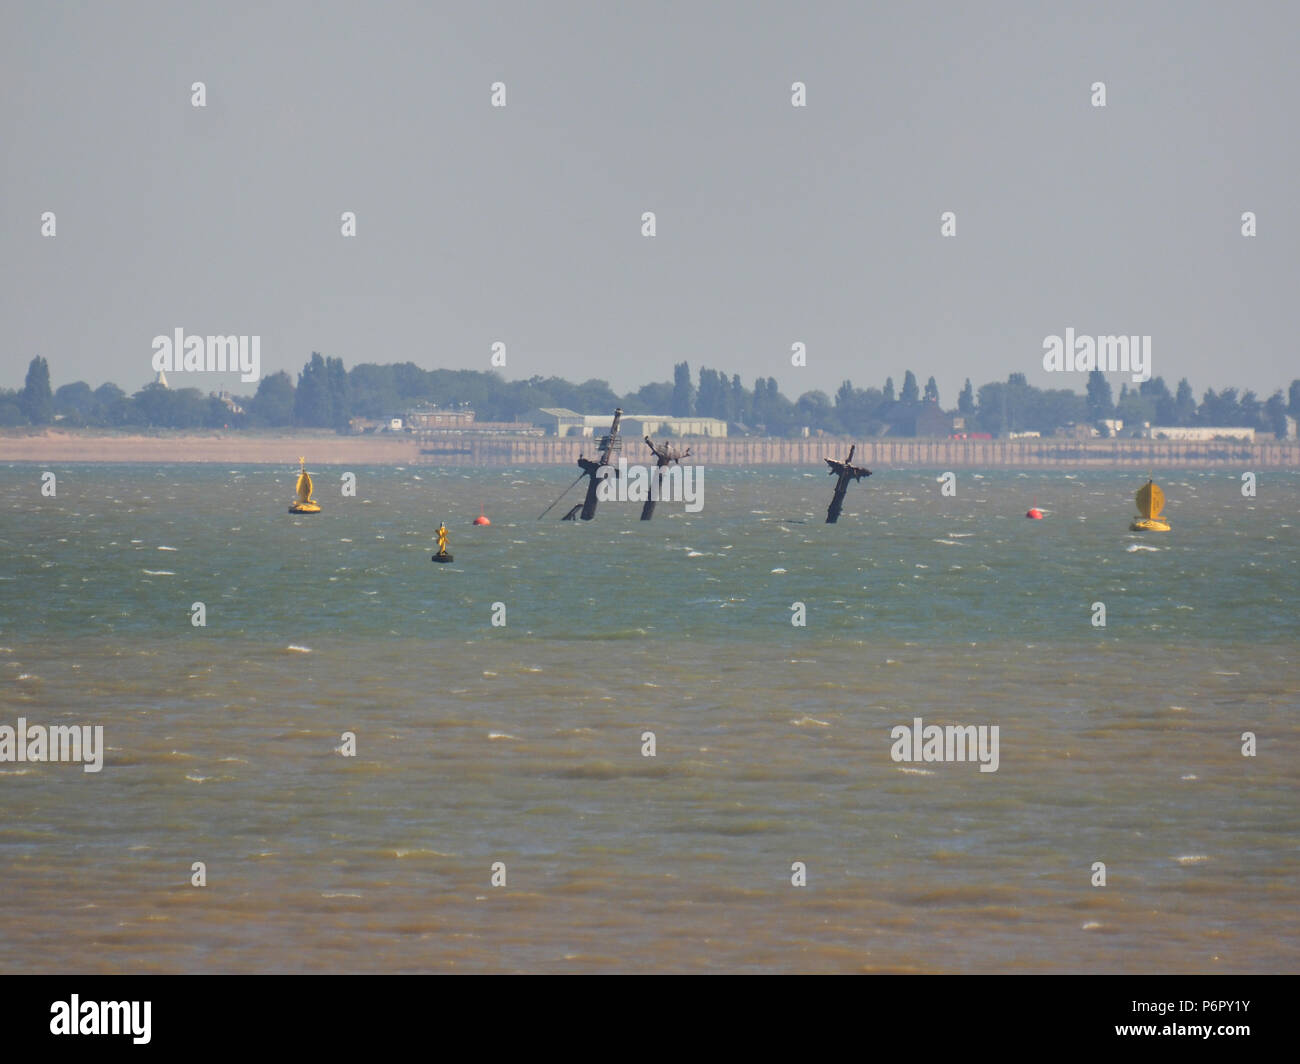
(326, 449)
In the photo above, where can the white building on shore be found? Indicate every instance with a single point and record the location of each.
(1198, 432)
(559, 421)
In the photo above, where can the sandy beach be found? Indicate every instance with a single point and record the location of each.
(233, 448)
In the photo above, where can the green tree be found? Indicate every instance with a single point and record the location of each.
(911, 391)
(595, 397)
(1252, 410)
(182, 408)
(931, 391)
(112, 406)
(1157, 391)
(75, 402)
(779, 415)
(966, 401)
(816, 411)
(1135, 409)
(151, 406)
(649, 399)
(273, 403)
(1275, 414)
(1019, 399)
(1101, 402)
(374, 393)
(683, 403)
(1054, 408)
(889, 390)
(340, 394)
(413, 384)
(214, 414)
(11, 414)
(1184, 404)
(860, 411)
(726, 399)
(710, 400)
(991, 412)
(1221, 409)
(36, 400)
(742, 410)
(311, 402)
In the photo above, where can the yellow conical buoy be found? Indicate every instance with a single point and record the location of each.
(303, 504)
(1150, 501)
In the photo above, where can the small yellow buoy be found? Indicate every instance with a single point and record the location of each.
(303, 503)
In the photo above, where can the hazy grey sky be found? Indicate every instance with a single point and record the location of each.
(775, 224)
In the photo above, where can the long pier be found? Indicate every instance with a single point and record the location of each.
(886, 453)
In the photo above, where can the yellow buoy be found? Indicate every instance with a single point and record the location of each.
(442, 555)
(1150, 501)
(303, 504)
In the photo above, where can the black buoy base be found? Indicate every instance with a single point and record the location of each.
(440, 558)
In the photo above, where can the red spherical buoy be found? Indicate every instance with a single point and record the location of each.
(1034, 513)
(481, 519)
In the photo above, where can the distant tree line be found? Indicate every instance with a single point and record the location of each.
(328, 395)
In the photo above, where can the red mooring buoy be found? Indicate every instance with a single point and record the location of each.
(1034, 513)
(481, 519)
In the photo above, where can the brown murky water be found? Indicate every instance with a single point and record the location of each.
(523, 744)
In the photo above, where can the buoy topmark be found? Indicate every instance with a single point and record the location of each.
(1034, 513)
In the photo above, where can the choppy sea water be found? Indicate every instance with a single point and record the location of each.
(522, 743)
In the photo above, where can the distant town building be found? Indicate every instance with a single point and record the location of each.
(441, 423)
(1198, 432)
(659, 424)
(435, 418)
(560, 421)
(227, 400)
(498, 428)
(364, 425)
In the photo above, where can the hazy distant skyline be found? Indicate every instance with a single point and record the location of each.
(775, 224)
